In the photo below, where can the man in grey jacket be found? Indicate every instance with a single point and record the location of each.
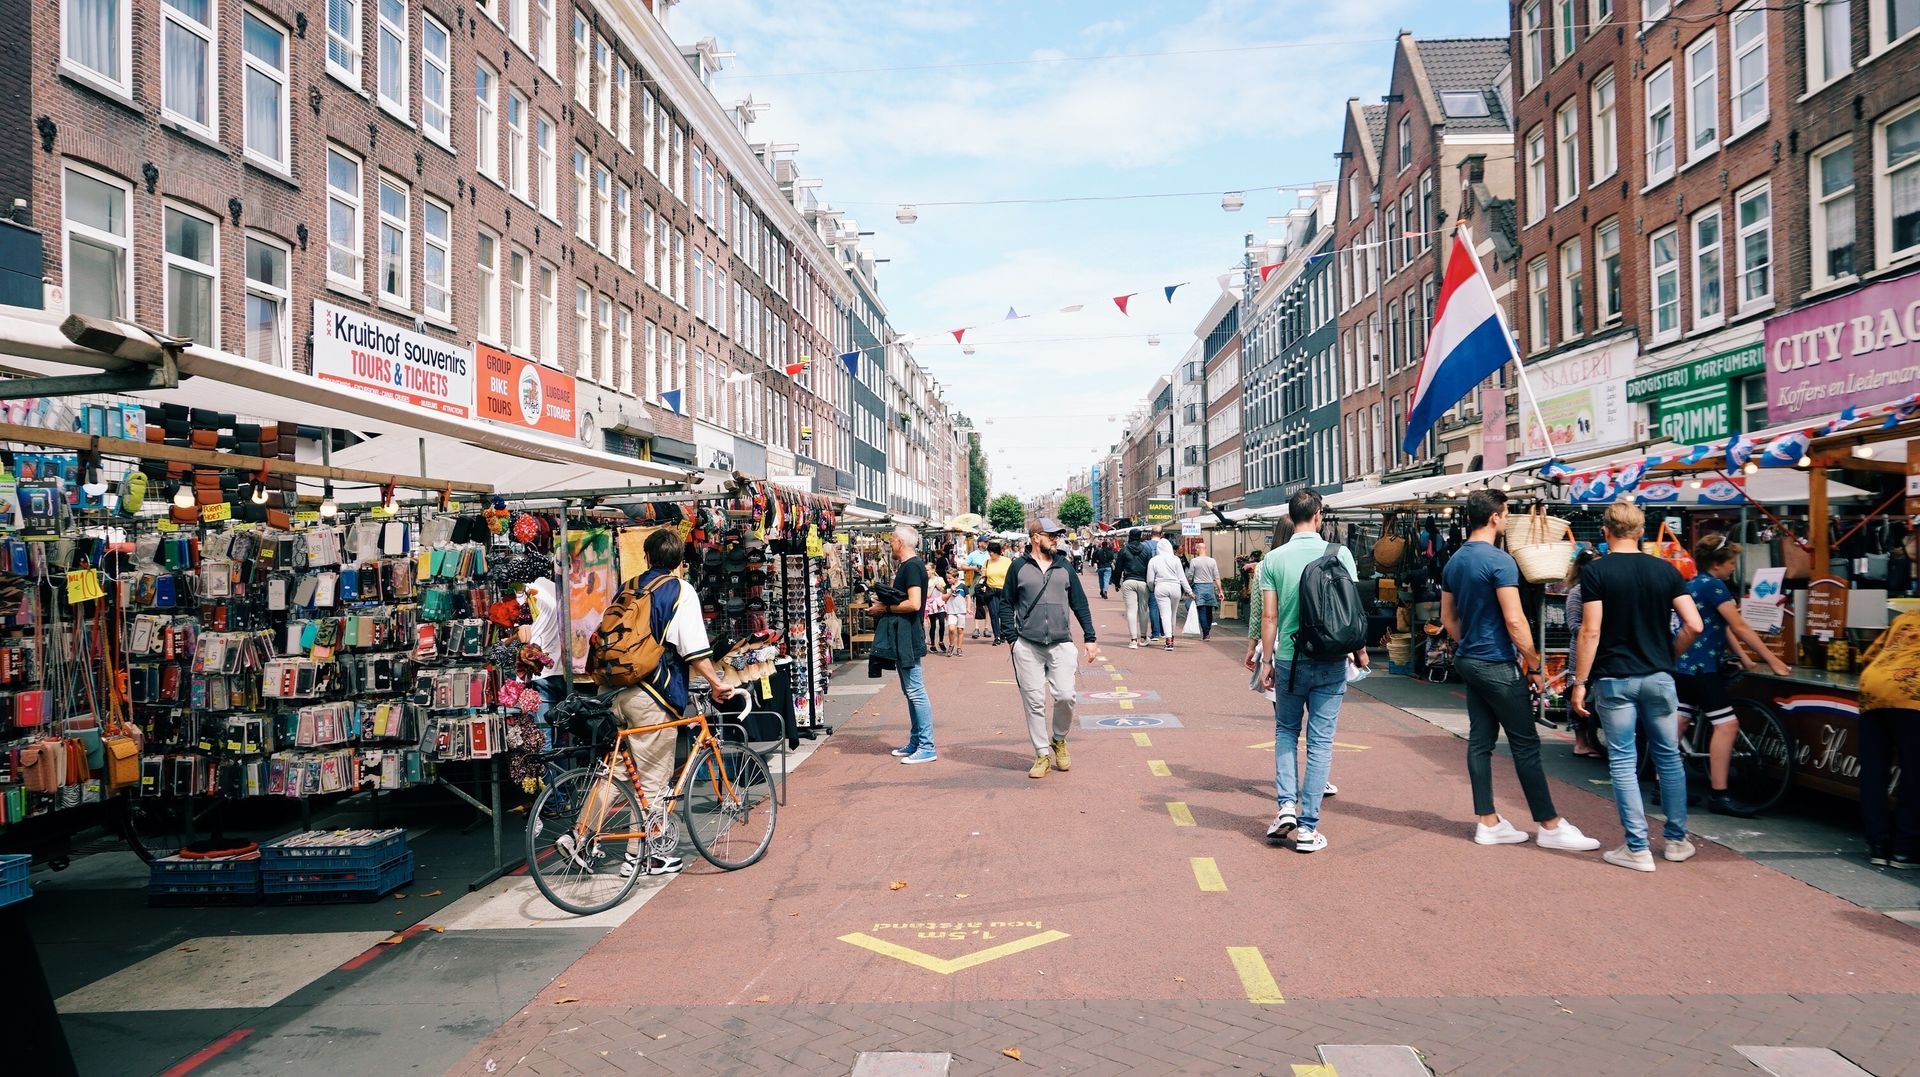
(1041, 596)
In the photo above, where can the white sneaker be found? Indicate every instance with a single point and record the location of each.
(1503, 834)
(569, 846)
(1285, 822)
(1308, 841)
(1332, 790)
(1133, 645)
(656, 865)
(1568, 838)
(1626, 858)
(1677, 851)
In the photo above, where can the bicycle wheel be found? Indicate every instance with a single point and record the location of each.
(153, 828)
(571, 864)
(1761, 770)
(729, 806)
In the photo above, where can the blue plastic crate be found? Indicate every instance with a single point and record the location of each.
(13, 878)
(315, 885)
(174, 881)
(368, 856)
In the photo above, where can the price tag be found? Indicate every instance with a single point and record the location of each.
(307, 517)
(381, 512)
(83, 585)
(210, 514)
(165, 525)
(453, 506)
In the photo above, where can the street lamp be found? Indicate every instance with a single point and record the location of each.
(1232, 201)
(906, 214)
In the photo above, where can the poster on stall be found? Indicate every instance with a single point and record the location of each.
(590, 587)
(633, 551)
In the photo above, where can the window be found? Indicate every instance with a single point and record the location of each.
(603, 66)
(491, 8)
(1653, 10)
(1663, 254)
(1709, 307)
(488, 259)
(393, 59)
(1573, 291)
(486, 126)
(269, 297)
(436, 76)
(1539, 323)
(1749, 33)
(1890, 21)
(1409, 219)
(699, 293)
(1602, 11)
(264, 87)
(1606, 135)
(519, 302)
(1897, 165)
(549, 316)
(1406, 142)
(1829, 41)
(193, 277)
(343, 39)
(698, 163)
(1753, 208)
(605, 343)
(98, 39)
(343, 217)
(1533, 57)
(623, 225)
(677, 164)
(582, 332)
(517, 23)
(648, 261)
(1606, 253)
(622, 105)
(394, 250)
(720, 302)
(1566, 126)
(679, 278)
(623, 374)
(582, 64)
(187, 64)
(544, 166)
(1660, 125)
(582, 196)
(647, 158)
(436, 261)
(1703, 97)
(649, 361)
(1426, 210)
(603, 194)
(517, 144)
(1536, 175)
(542, 31)
(1833, 229)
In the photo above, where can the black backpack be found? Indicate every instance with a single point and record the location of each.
(1333, 620)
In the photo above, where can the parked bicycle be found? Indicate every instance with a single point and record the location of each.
(1764, 756)
(589, 823)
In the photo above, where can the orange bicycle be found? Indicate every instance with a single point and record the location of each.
(592, 830)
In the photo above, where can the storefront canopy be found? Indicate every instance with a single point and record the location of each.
(1414, 491)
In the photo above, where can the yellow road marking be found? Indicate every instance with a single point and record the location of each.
(1108, 666)
(948, 966)
(1159, 768)
(1254, 976)
(1141, 740)
(1126, 704)
(1182, 815)
(1207, 874)
(1002, 682)
(1313, 1069)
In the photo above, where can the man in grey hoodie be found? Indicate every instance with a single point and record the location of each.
(1042, 593)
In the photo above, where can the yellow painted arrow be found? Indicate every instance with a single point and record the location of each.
(948, 966)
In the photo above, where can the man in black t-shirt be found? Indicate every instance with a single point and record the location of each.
(1624, 657)
(902, 622)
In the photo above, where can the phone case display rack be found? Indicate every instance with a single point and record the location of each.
(748, 588)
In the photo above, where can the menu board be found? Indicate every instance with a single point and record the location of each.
(1827, 608)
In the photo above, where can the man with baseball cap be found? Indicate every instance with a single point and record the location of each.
(1042, 597)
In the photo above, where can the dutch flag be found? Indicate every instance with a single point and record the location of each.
(1468, 342)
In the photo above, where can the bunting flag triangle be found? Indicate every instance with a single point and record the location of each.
(794, 369)
(1267, 271)
(671, 398)
(1073, 309)
(738, 376)
(1225, 280)
(1014, 315)
(852, 360)
(1121, 301)
(959, 334)
(1172, 288)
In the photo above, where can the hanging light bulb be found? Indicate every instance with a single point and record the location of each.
(388, 500)
(1863, 452)
(183, 496)
(259, 492)
(329, 508)
(1751, 467)
(1693, 484)
(1804, 461)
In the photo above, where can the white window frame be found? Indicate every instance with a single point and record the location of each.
(1878, 32)
(1566, 161)
(603, 199)
(1706, 254)
(1654, 106)
(1539, 310)
(120, 85)
(1609, 298)
(622, 102)
(402, 227)
(623, 330)
(1604, 93)
(582, 60)
(546, 180)
(679, 280)
(1536, 173)
(1573, 267)
(1817, 76)
(549, 286)
(648, 113)
(486, 122)
(603, 74)
(170, 261)
(436, 289)
(385, 29)
(1753, 11)
(649, 263)
(604, 322)
(518, 159)
(677, 164)
(1653, 11)
(649, 360)
(354, 200)
(1405, 142)
(1655, 271)
(1740, 199)
(1819, 202)
(209, 39)
(277, 294)
(1884, 179)
(623, 225)
(519, 300)
(545, 47)
(1533, 43)
(1703, 83)
(487, 284)
(1565, 40)
(432, 106)
(582, 193)
(347, 42)
(250, 64)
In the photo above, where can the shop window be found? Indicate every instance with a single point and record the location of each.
(193, 276)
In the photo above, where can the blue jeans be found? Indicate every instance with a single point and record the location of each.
(913, 685)
(1106, 576)
(1624, 704)
(1153, 615)
(1315, 693)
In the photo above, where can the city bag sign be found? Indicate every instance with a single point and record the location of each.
(386, 360)
(1858, 349)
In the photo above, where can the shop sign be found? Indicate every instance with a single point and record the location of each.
(1827, 607)
(1695, 416)
(386, 360)
(1853, 350)
(1159, 511)
(522, 393)
(1714, 370)
(1493, 426)
(1583, 399)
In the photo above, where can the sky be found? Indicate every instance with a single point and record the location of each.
(1050, 391)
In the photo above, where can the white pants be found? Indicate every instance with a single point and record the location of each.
(1135, 596)
(1167, 593)
(652, 752)
(1036, 669)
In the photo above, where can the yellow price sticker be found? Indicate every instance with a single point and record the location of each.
(381, 512)
(307, 517)
(213, 514)
(165, 525)
(83, 585)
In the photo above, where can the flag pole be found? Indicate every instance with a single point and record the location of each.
(1532, 399)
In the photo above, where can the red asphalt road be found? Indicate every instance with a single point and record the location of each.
(1401, 904)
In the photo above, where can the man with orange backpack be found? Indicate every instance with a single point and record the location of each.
(649, 643)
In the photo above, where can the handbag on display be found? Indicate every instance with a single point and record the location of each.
(1390, 549)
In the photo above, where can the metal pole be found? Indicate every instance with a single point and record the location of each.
(563, 559)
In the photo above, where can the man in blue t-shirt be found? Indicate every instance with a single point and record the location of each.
(1493, 650)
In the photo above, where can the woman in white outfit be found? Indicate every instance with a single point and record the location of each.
(1167, 579)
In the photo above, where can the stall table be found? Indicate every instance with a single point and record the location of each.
(1822, 714)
